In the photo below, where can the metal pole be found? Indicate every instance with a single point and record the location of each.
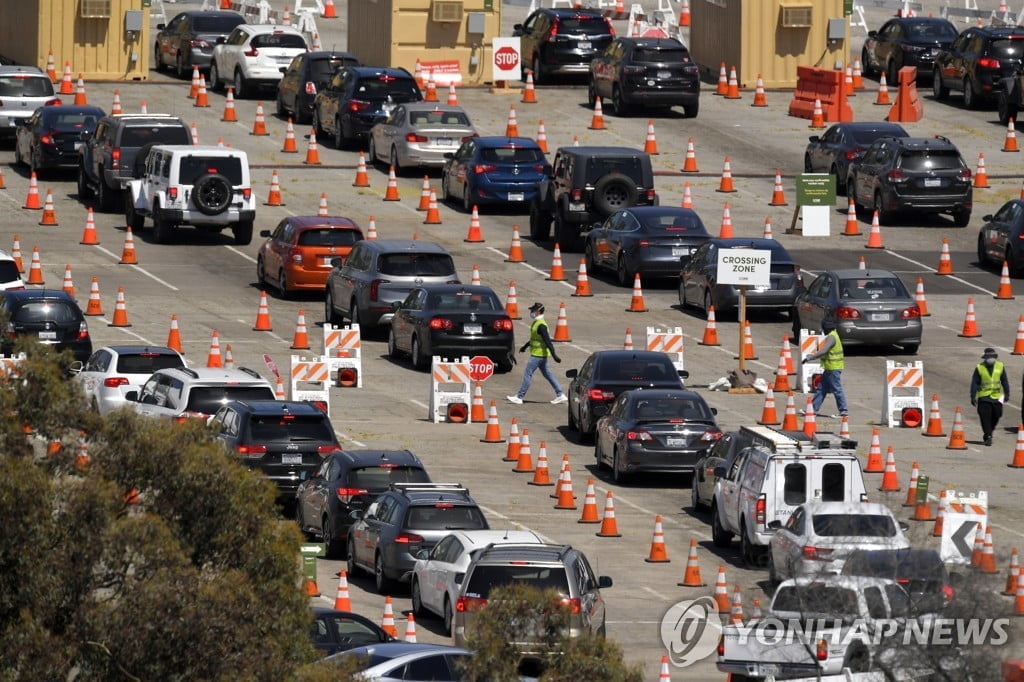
(743, 325)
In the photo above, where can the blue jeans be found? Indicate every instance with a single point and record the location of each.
(532, 365)
(831, 382)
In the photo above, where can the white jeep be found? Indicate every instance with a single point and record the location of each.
(208, 187)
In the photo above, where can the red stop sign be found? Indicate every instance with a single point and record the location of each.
(481, 368)
(506, 58)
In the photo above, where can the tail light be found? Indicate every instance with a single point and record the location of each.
(358, 105)
(322, 406)
(864, 497)
(325, 449)
(251, 52)
(948, 593)
(641, 436)
(633, 69)
(847, 313)
(503, 325)
(198, 43)
(247, 193)
(115, 158)
(470, 604)
(467, 138)
(643, 243)
(911, 313)
(913, 48)
(83, 331)
(611, 28)
(540, 167)
(55, 102)
(251, 450)
(172, 192)
(817, 553)
(375, 288)
(964, 174)
(577, 195)
(759, 511)
(710, 436)
(988, 63)
(897, 175)
(440, 323)
(413, 137)
(650, 195)
(721, 645)
(852, 154)
(798, 275)
(599, 396)
(310, 88)
(46, 138)
(408, 539)
(295, 255)
(114, 382)
(346, 494)
(484, 168)
(821, 651)
(574, 604)
(553, 33)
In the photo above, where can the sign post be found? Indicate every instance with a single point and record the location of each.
(481, 368)
(744, 268)
(815, 199)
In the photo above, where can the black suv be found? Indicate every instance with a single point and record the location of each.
(561, 41)
(976, 63)
(587, 185)
(358, 98)
(645, 72)
(286, 440)
(923, 174)
(52, 317)
(187, 40)
(109, 154)
(308, 73)
(348, 480)
(906, 41)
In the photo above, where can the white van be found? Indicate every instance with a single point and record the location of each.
(779, 471)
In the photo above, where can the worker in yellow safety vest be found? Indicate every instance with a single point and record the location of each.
(830, 352)
(989, 390)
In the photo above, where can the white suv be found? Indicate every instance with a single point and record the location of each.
(185, 392)
(254, 56)
(208, 187)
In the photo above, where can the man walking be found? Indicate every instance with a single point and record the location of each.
(831, 352)
(541, 348)
(989, 390)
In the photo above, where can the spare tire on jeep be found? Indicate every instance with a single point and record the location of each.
(212, 194)
(615, 192)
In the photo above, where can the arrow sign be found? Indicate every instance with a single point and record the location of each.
(958, 531)
(271, 365)
(960, 541)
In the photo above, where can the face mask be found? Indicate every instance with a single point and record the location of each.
(990, 361)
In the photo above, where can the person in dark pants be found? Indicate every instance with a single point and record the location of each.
(989, 390)
(541, 348)
(830, 352)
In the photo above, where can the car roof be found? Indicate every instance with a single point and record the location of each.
(19, 295)
(396, 649)
(651, 42)
(262, 29)
(275, 407)
(638, 393)
(14, 69)
(619, 355)
(328, 611)
(212, 13)
(867, 508)
(303, 222)
(363, 71)
(494, 141)
(922, 20)
(748, 243)
(432, 106)
(572, 13)
(850, 582)
(372, 457)
(128, 349)
(855, 273)
(603, 151)
(447, 288)
(316, 55)
(402, 246)
(204, 150)
(936, 142)
(474, 539)
(73, 109)
(543, 552)
(873, 125)
(215, 374)
(999, 31)
(141, 118)
(660, 210)
(5, 256)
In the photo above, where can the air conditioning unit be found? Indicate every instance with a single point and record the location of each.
(796, 16)
(94, 9)
(446, 11)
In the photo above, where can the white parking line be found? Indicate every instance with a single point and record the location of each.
(664, 518)
(350, 439)
(1007, 529)
(139, 269)
(240, 253)
(419, 404)
(952, 277)
(270, 334)
(518, 525)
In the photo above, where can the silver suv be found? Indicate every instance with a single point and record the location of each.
(381, 272)
(23, 89)
(185, 392)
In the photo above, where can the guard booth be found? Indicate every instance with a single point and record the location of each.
(768, 37)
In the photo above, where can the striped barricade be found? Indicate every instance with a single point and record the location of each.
(903, 400)
(343, 351)
(311, 380)
(450, 388)
(668, 341)
(810, 372)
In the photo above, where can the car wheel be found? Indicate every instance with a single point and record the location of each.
(18, 160)
(382, 582)
(332, 545)
(107, 197)
(840, 182)
(417, 599)
(371, 151)
(719, 536)
(353, 311)
(622, 272)
(708, 303)
(393, 352)
(618, 475)
(970, 97)
(242, 232)
(158, 64)
(467, 205)
(883, 214)
(591, 95)
(317, 127)
(614, 192)
(331, 316)
(418, 361)
(540, 223)
(84, 191)
(339, 135)
(773, 576)
(808, 168)
(618, 103)
(214, 76)
(448, 616)
(180, 67)
(961, 218)
(1006, 109)
(351, 565)
(691, 110)
(538, 73)
(241, 85)
(939, 90)
(911, 348)
(282, 284)
(394, 161)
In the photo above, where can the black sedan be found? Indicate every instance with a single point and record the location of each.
(659, 431)
(645, 72)
(308, 73)
(52, 136)
(187, 40)
(843, 143)
(870, 307)
(651, 240)
(452, 320)
(699, 285)
(49, 316)
(906, 41)
(1001, 238)
(333, 631)
(606, 374)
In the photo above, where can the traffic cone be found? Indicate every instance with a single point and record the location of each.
(89, 234)
(529, 92)
(684, 13)
(476, 408)
(789, 421)
(524, 463)
(875, 464)
(858, 74)
(391, 193)
(289, 146)
(309, 587)
(262, 315)
(1012, 573)
(723, 81)
(787, 355)
(817, 116)
(515, 251)
(32, 198)
(970, 330)
(721, 594)
(231, 115)
(562, 326)
(1018, 600)
(582, 281)
(512, 303)
(474, 235)
(120, 318)
(202, 98)
(387, 623)
(890, 481)
(957, 437)
(687, 196)
(68, 285)
(286, 18)
(410, 628)
(557, 274)
(194, 89)
(1010, 143)
(565, 499)
(430, 95)
(1018, 451)
(51, 67)
(424, 195)
(657, 555)
(736, 607)
(66, 87)
(923, 510)
(810, 419)
(852, 228)
(1018, 344)
(726, 183)
(934, 427)
(300, 341)
(259, 126)
(274, 196)
(80, 98)
(844, 427)
(313, 151)
(433, 216)
(733, 86)
(748, 343)
(651, 143)
(115, 107)
(848, 88)
(768, 414)
(542, 136)
(979, 546)
(710, 337)
(94, 307)
(781, 375)
(725, 231)
(329, 13)
(342, 602)
(541, 475)
(690, 161)
(597, 120)
(512, 451)
(760, 99)
(981, 177)
(49, 217)
(279, 392)
(627, 341)
(512, 126)
(453, 97)
(691, 577)
(562, 472)
(945, 262)
(663, 674)
(922, 302)
(589, 514)
(609, 526)
(778, 195)
(912, 487)
(174, 335)
(213, 358)
(1005, 291)
(417, 74)
(492, 433)
(475, 278)
(875, 236)
(35, 270)
(362, 178)
(941, 515)
(195, 135)
(636, 303)
(322, 211)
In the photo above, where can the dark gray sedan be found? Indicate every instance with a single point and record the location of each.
(870, 307)
(834, 150)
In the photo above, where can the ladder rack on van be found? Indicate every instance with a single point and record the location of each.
(777, 441)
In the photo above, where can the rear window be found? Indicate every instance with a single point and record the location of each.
(380, 89)
(25, 86)
(147, 363)
(485, 578)
(291, 427)
(454, 119)
(209, 399)
(380, 477)
(794, 484)
(194, 167)
(673, 224)
(216, 24)
(9, 271)
(636, 370)
(329, 237)
(895, 565)
(512, 155)
(136, 136)
(282, 40)
(417, 265)
(662, 409)
(444, 516)
(629, 166)
(835, 601)
(647, 55)
(321, 70)
(589, 26)
(866, 525)
(872, 288)
(1008, 48)
(68, 122)
(833, 482)
(866, 137)
(932, 30)
(466, 301)
(927, 160)
(46, 311)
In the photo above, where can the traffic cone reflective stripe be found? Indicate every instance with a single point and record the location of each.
(957, 437)
(49, 211)
(94, 307)
(725, 231)
(789, 420)
(529, 92)
(627, 341)
(89, 234)
(1013, 573)
(934, 427)
(562, 326)
(174, 335)
(778, 195)
(651, 143)
(213, 358)
(970, 329)
(492, 433)
(194, 89)
(636, 303)
(1010, 143)
(736, 607)
(940, 516)
(32, 198)
(810, 420)
(710, 337)
(589, 514)
(875, 236)
(515, 251)
(609, 526)
(582, 281)
(691, 577)
(875, 464)
(890, 480)
(1018, 451)
(721, 594)
(726, 185)
(858, 74)
(769, 417)
(945, 262)
(262, 315)
(922, 302)
(279, 392)
(981, 177)
(597, 120)
(474, 234)
(912, 487)
(541, 476)
(202, 98)
(733, 86)
(68, 286)
(848, 88)
(557, 273)
(120, 318)
(35, 270)
(524, 463)
(565, 499)
(512, 451)
(542, 136)
(690, 161)
(387, 623)
(274, 196)
(1005, 291)
(658, 554)
(80, 98)
(259, 126)
(362, 177)
(817, 116)
(512, 127)
(723, 81)
(512, 303)
(767, 233)
(128, 252)
(115, 106)
(424, 195)
(313, 151)
(687, 196)
(453, 97)
(760, 99)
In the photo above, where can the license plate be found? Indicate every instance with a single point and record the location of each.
(326, 261)
(769, 669)
(47, 336)
(878, 317)
(291, 459)
(445, 142)
(584, 44)
(577, 206)
(675, 442)
(472, 329)
(932, 182)
(516, 196)
(680, 252)
(664, 74)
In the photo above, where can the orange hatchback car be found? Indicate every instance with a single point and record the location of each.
(297, 254)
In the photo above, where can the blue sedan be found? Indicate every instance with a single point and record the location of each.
(494, 171)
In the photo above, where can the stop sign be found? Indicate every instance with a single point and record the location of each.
(506, 58)
(481, 368)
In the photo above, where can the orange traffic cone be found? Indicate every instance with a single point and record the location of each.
(529, 92)
(810, 419)
(787, 355)
(945, 262)
(300, 341)
(231, 115)
(1013, 573)
(565, 498)
(817, 116)
(941, 515)
(736, 607)
(417, 74)
(609, 527)
(858, 74)
(789, 421)
(922, 302)
(589, 514)
(202, 98)
(424, 195)
(1005, 291)
(35, 270)
(68, 285)
(778, 195)
(760, 99)
(1010, 143)
(684, 13)
(32, 198)
(342, 602)
(970, 330)
(721, 594)
(66, 87)
(657, 555)
(453, 97)
(848, 88)
(174, 335)
(651, 143)
(115, 106)
(312, 151)
(723, 81)
(852, 225)
(195, 134)
(80, 98)
(387, 623)
(981, 177)
(476, 408)
(687, 196)
(492, 434)
(748, 343)
(95, 306)
(1018, 452)
(934, 427)
(475, 278)
(781, 374)
(213, 358)
(562, 326)
(690, 161)
(330, 13)
(512, 127)
(597, 120)
(912, 487)
(128, 252)
(542, 136)
(733, 86)
(362, 178)
(663, 674)
(875, 464)
(582, 281)
(636, 303)
(120, 318)
(259, 126)
(262, 315)
(430, 95)
(883, 91)
(541, 476)
(726, 183)
(474, 235)
(512, 450)
(229, 360)
(979, 546)
(322, 211)
(279, 392)
(767, 232)
(289, 146)
(89, 234)
(557, 273)
(49, 211)
(627, 341)
(844, 427)
(875, 236)
(691, 577)
(512, 303)
(890, 481)
(725, 231)
(51, 67)
(410, 629)
(515, 251)
(769, 417)
(433, 216)
(957, 437)
(391, 193)
(274, 196)
(194, 89)
(524, 463)
(710, 337)
(1018, 343)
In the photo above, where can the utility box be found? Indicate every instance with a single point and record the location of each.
(398, 32)
(767, 37)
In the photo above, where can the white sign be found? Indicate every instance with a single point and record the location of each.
(506, 62)
(960, 525)
(751, 267)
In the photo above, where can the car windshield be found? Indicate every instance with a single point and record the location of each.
(444, 516)
(464, 301)
(215, 24)
(836, 601)
(863, 525)
(147, 363)
(1007, 48)
(194, 167)
(629, 166)
(281, 40)
(665, 409)
(209, 399)
(321, 70)
(434, 119)
(291, 427)
(930, 159)
(379, 477)
(872, 288)
(894, 565)
(9, 271)
(672, 223)
(380, 89)
(326, 236)
(485, 578)
(866, 137)
(589, 26)
(417, 265)
(512, 154)
(45, 311)
(656, 56)
(616, 369)
(25, 86)
(136, 136)
(931, 30)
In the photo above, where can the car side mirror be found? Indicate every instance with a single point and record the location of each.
(571, 373)
(264, 233)
(903, 526)
(422, 554)
(76, 367)
(987, 218)
(132, 396)
(283, 69)
(683, 374)
(714, 411)
(85, 135)
(161, 27)
(458, 578)
(719, 472)
(395, 305)
(596, 226)
(872, 34)
(774, 525)
(449, 155)
(814, 138)
(355, 514)
(604, 581)
(517, 27)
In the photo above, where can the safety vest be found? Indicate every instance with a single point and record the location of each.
(991, 385)
(538, 348)
(834, 357)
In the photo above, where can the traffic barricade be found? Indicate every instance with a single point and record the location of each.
(9, 365)
(343, 350)
(810, 372)
(908, 106)
(450, 388)
(311, 380)
(903, 399)
(964, 511)
(822, 85)
(668, 341)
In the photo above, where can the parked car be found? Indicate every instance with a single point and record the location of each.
(835, 149)
(112, 371)
(299, 253)
(653, 241)
(658, 431)
(818, 537)
(308, 73)
(438, 574)
(349, 480)
(186, 392)
(253, 57)
(1001, 237)
(358, 98)
(562, 41)
(921, 572)
(906, 41)
(977, 62)
(10, 276)
(699, 285)
(608, 373)
(187, 40)
(452, 320)
(870, 307)
(418, 135)
(920, 174)
(52, 137)
(333, 631)
(724, 452)
(406, 661)
(647, 73)
(23, 89)
(49, 316)
(495, 170)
